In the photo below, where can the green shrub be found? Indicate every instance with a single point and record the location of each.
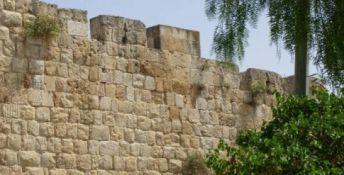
(43, 26)
(306, 136)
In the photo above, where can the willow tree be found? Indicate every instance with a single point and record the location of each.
(300, 25)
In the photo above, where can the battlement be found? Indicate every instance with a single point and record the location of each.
(113, 28)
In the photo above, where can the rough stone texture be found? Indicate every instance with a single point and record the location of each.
(113, 105)
(77, 28)
(174, 39)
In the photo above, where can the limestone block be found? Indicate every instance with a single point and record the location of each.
(80, 147)
(179, 101)
(125, 107)
(84, 162)
(59, 115)
(118, 77)
(60, 130)
(118, 29)
(10, 18)
(54, 145)
(43, 114)
(46, 129)
(58, 172)
(101, 133)
(77, 28)
(62, 70)
(201, 103)
(48, 160)
(2, 7)
(74, 172)
(33, 128)
(130, 93)
(109, 148)
(36, 67)
(28, 143)
(93, 147)
(105, 103)
(110, 90)
(67, 146)
(8, 157)
(163, 165)
(19, 127)
(131, 164)
(106, 162)
(119, 163)
(37, 82)
(34, 171)
(174, 39)
(194, 115)
(5, 63)
(83, 132)
(144, 123)
(66, 161)
(93, 102)
(14, 142)
(19, 65)
(35, 97)
(29, 158)
(4, 170)
(27, 112)
(4, 32)
(150, 83)
(3, 141)
(138, 80)
(23, 6)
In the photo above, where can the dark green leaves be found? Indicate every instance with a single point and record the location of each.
(306, 136)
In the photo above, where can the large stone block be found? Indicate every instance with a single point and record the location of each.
(118, 29)
(4, 33)
(77, 28)
(100, 133)
(10, 18)
(29, 158)
(174, 39)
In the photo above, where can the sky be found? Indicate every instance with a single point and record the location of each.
(190, 14)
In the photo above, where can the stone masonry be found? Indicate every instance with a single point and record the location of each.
(130, 100)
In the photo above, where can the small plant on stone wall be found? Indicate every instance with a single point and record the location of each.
(258, 88)
(43, 26)
(195, 164)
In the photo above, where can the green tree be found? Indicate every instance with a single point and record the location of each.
(306, 136)
(301, 25)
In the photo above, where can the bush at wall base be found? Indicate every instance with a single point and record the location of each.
(306, 136)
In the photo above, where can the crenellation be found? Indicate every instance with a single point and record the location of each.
(130, 100)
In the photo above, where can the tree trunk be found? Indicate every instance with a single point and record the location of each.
(301, 47)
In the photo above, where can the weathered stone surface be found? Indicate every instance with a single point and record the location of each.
(4, 33)
(29, 158)
(100, 133)
(77, 28)
(174, 39)
(10, 18)
(118, 29)
(76, 106)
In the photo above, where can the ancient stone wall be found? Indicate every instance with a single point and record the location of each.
(130, 100)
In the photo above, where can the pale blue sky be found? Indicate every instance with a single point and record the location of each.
(190, 14)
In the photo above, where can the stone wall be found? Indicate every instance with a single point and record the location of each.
(130, 100)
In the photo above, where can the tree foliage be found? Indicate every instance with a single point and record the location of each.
(320, 21)
(306, 136)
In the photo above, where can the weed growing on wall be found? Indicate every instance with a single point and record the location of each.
(43, 26)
